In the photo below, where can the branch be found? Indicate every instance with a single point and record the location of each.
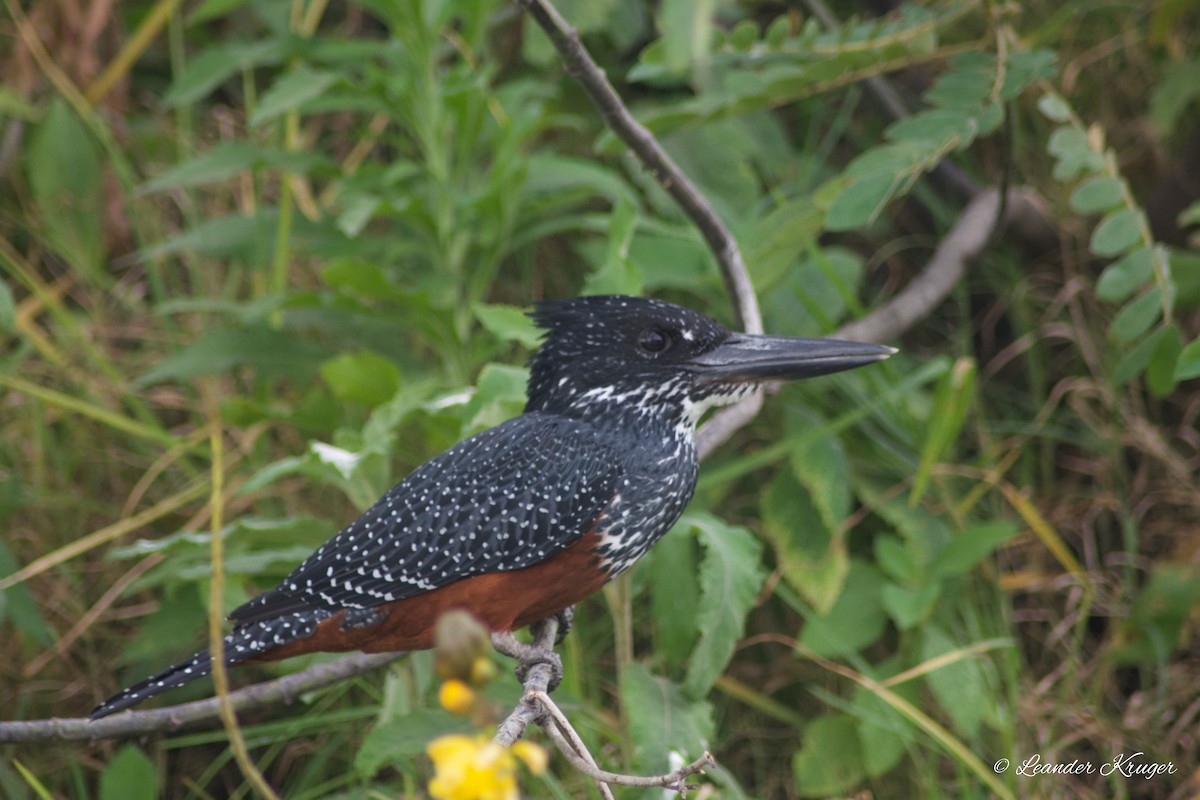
(167, 720)
(537, 677)
(580, 66)
(970, 234)
(565, 737)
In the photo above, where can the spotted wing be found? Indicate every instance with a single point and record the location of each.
(506, 498)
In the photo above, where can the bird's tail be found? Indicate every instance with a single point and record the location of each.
(243, 643)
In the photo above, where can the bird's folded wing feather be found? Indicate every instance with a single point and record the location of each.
(506, 498)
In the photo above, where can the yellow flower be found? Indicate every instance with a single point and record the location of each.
(456, 697)
(476, 768)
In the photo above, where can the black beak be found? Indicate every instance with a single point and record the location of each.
(743, 358)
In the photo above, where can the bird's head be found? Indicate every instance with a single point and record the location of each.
(648, 356)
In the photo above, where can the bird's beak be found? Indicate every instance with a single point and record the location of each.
(743, 358)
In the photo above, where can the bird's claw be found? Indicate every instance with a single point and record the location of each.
(566, 619)
(537, 656)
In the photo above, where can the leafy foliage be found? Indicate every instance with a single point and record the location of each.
(316, 228)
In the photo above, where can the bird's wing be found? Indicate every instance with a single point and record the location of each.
(504, 499)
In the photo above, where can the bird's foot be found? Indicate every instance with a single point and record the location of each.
(538, 656)
(566, 619)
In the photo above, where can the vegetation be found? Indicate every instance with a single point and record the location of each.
(282, 249)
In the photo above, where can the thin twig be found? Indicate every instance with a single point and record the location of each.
(580, 66)
(960, 246)
(168, 720)
(537, 677)
(577, 753)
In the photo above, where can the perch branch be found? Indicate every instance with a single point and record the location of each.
(167, 720)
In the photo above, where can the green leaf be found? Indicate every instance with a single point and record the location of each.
(958, 686)
(856, 620)
(731, 576)
(18, 606)
(63, 167)
(810, 558)
(820, 464)
(892, 555)
(8, 309)
(860, 202)
(907, 607)
(269, 352)
(1135, 360)
(674, 594)
(1136, 317)
(953, 398)
(362, 377)
(401, 738)
(1160, 372)
(290, 92)
(972, 546)
(229, 159)
(216, 65)
(1074, 153)
(508, 324)
(1054, 107)
(884, 733)
(662, 719)
(499, 395)
(1188, 365)
(1116, 233)
(618, 274)
(830, 760)
(130, 775)
(1125, 276)
(1098, 193)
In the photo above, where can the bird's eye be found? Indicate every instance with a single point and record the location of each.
(653, 341)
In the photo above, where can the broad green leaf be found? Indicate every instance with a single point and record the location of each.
(958, 686)
(508, 324)
(1137, 358)
(1160, 614)
(1054, 107)
(1160, 372)
(894, 558)
(291, 91)
(730, 578)
(129, 775)
(820, 465)
(811, 560)
(830, 760)
(1172, 94)
(618, 274)
(972, 546)
(63, 167)
(403, 737)
(674, 594)
(1125, 276)
(860, 202)
(1074, 153)
(1116, 233)
(856, 620)
(662, 719)
(1188, 365)
(1098, 193)
(269, 352)
(907, 607)
(364, 277)
(18, 606)
(362, 377)
(499, 395)
(228, 159)
(218, 64)
(1137, 316)
(883, 732)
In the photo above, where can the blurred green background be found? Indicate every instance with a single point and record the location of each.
(315, 227)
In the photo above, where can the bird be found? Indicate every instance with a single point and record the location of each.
(519, 522)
